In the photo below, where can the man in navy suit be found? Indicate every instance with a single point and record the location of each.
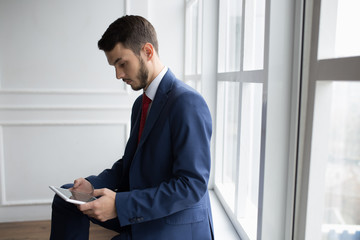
(158, 189)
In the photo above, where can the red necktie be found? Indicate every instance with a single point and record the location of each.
(145, 106)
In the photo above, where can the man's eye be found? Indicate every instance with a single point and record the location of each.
(122, 64)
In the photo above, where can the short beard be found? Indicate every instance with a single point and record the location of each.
(142, 75)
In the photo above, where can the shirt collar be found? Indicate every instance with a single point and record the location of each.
(151, 90)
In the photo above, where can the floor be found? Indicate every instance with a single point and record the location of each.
(39, 230)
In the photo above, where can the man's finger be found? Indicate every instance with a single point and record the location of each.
(77, 183)
(99, 192)
(84, 207)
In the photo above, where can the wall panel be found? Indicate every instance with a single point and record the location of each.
(36, 156)
(63, 115)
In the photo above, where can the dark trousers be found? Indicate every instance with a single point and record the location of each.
(67, 222)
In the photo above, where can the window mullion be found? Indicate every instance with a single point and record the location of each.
(242, 36)
(227, 38)
(240, 189)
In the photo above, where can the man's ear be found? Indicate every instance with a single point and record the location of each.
(148, 51)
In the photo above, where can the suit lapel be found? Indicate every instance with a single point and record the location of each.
(133, 138)
(159, 102)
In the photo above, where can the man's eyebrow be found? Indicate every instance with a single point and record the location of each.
(117, 60)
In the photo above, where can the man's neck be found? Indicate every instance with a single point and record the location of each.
(157, 67)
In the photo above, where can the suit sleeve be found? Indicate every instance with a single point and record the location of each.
(190, 131)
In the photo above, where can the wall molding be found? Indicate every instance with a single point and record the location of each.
(61, 107)
(6, 203)
(60, 123)
(3, 200)
(50, 100)
(125, 90)
(43, 105)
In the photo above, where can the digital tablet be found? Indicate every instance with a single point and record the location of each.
(73, 196)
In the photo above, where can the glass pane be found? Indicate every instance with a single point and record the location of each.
(339, 35)
(250, 140)
(336, 157)
(229, 101)
(191, 83)
(192, 37)
(196, 84)
(342, 175)
(230, 18)
(219, 148)
(254, 34)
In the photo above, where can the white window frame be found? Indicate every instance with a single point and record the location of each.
(315, 71)
(193, 79)
(282, 64)
(242, 77)
(281, 79)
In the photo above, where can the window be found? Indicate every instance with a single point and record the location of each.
(193, 43)
(338, 38)
(227, 140)
(240, 120)
(254, 35)
(336, 157)
(332, 132)
(230, 27)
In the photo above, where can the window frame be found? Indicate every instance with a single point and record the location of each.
(242, 77)
(193, 79)
(314, 71)
(282, 64)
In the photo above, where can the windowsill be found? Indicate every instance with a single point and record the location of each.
(223, 227)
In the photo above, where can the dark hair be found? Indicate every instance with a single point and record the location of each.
(132, 31)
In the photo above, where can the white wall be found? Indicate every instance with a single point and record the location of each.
(168, 18)
(63, 114)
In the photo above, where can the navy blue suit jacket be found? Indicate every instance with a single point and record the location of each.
(161, 182)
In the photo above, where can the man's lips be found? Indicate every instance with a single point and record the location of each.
(127, 81)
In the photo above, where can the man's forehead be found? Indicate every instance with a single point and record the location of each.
(118, 53)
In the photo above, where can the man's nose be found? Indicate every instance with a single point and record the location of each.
(119, 74)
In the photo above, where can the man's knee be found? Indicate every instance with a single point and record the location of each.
(58, 202)
(67, 186)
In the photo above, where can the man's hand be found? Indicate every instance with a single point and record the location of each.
(103, 208)
(82, 185)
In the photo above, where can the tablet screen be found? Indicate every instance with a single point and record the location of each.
(83, 197)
